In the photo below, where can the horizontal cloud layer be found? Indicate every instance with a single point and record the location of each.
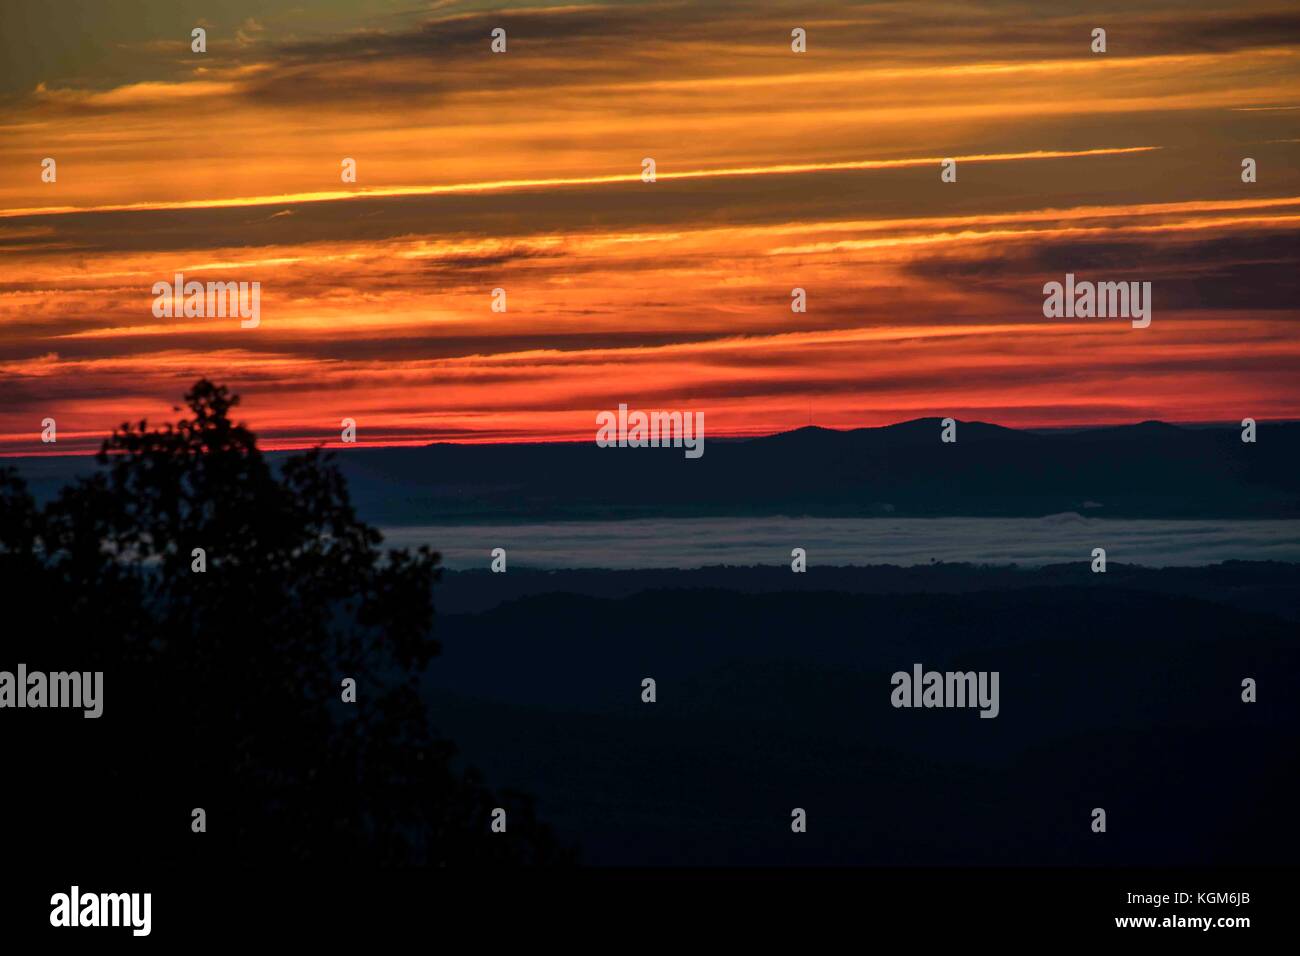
(775, 170)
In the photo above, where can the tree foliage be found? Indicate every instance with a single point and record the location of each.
(222, 687)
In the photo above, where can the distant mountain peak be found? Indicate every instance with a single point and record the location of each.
(922, 428)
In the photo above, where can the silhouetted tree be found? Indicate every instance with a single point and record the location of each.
(223, 687)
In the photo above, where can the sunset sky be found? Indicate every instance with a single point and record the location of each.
(522, 170)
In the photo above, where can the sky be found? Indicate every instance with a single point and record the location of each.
(522, 171)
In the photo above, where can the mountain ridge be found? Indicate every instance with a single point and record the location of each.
(1145, 470)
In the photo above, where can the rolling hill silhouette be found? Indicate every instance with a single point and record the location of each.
(1146, 470)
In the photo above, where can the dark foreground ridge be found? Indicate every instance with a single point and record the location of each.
(1124, 694)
